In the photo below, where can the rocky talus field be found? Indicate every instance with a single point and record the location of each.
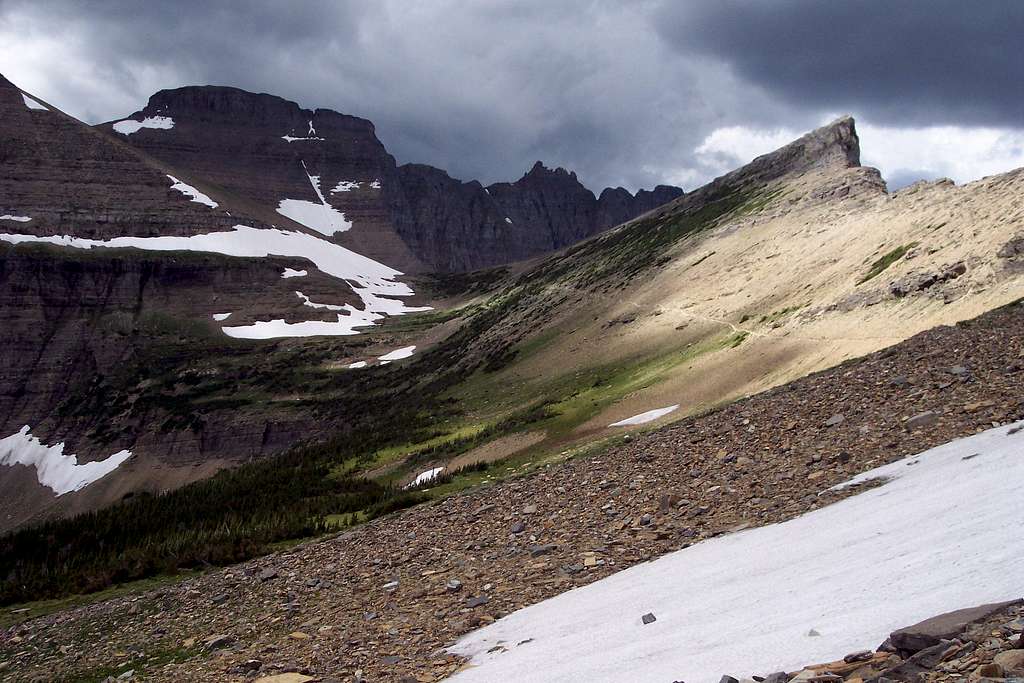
(382, 601)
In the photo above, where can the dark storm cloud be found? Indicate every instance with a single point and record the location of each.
(482, 89)
(622, 92)
(903, 62)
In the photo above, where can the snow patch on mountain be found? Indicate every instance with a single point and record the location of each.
(278, 328)
(312, 304)
(129, 126)
(32, 104)
(943, 533)
(346, 186)
(399, 354)
(646, 417)
(192, 193)
(221, 317)
(57, 471)
(19, 219)
(321, 216)
(291, 272)
(424, 477)
(373, 282)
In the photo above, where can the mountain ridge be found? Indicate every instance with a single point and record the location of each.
(412, 216)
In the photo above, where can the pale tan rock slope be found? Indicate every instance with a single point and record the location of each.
(789, 268)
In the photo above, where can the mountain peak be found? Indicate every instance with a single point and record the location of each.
(838, 141)
(539, 170)
(832, 146)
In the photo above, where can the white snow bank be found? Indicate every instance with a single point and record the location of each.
(192, 193)
(32, 104)
(128, 126)
(642, 418)
(274, 329)
(943, 534)
(358, 364)
(424, 477)
(508, 220)
(373, 282)
(306, 301)
(60, 472)
(399, 354)
(321, 216)
(345, 186)
(19, 219)
(290, 138)
(291, 272)
(219, 317)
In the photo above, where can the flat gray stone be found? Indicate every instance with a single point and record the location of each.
(946, 626)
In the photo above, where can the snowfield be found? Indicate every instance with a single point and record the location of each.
(32, 104)
(943, 533)
(321, 216)
(399, 354)
(345, 186)
(60, 472)
(192, 193)
(128, 126)
(306, 301)
(18, 219)
(424, 477)
(291, 272)
(643, 418)
(373, 282)
(221, 317)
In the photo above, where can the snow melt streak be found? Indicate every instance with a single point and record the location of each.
(32, 104)
(60, 472)
(850, 571)
(321, 216)
(192, 193)
(642, 418)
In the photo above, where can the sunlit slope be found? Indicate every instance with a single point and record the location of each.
(789, 265)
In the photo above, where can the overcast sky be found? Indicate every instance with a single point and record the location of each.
(626, 93)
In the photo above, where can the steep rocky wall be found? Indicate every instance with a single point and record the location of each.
(263, 149)
(73, 320)
(461, 226)
(70, 179)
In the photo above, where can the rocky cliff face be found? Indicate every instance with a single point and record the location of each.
(267, 150)
(416, 218)
(76, 324)
(464, 226)
(58, 176)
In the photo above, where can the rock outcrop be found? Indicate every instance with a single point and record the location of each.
(58, 176)
(463, 226)
(413, 217)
